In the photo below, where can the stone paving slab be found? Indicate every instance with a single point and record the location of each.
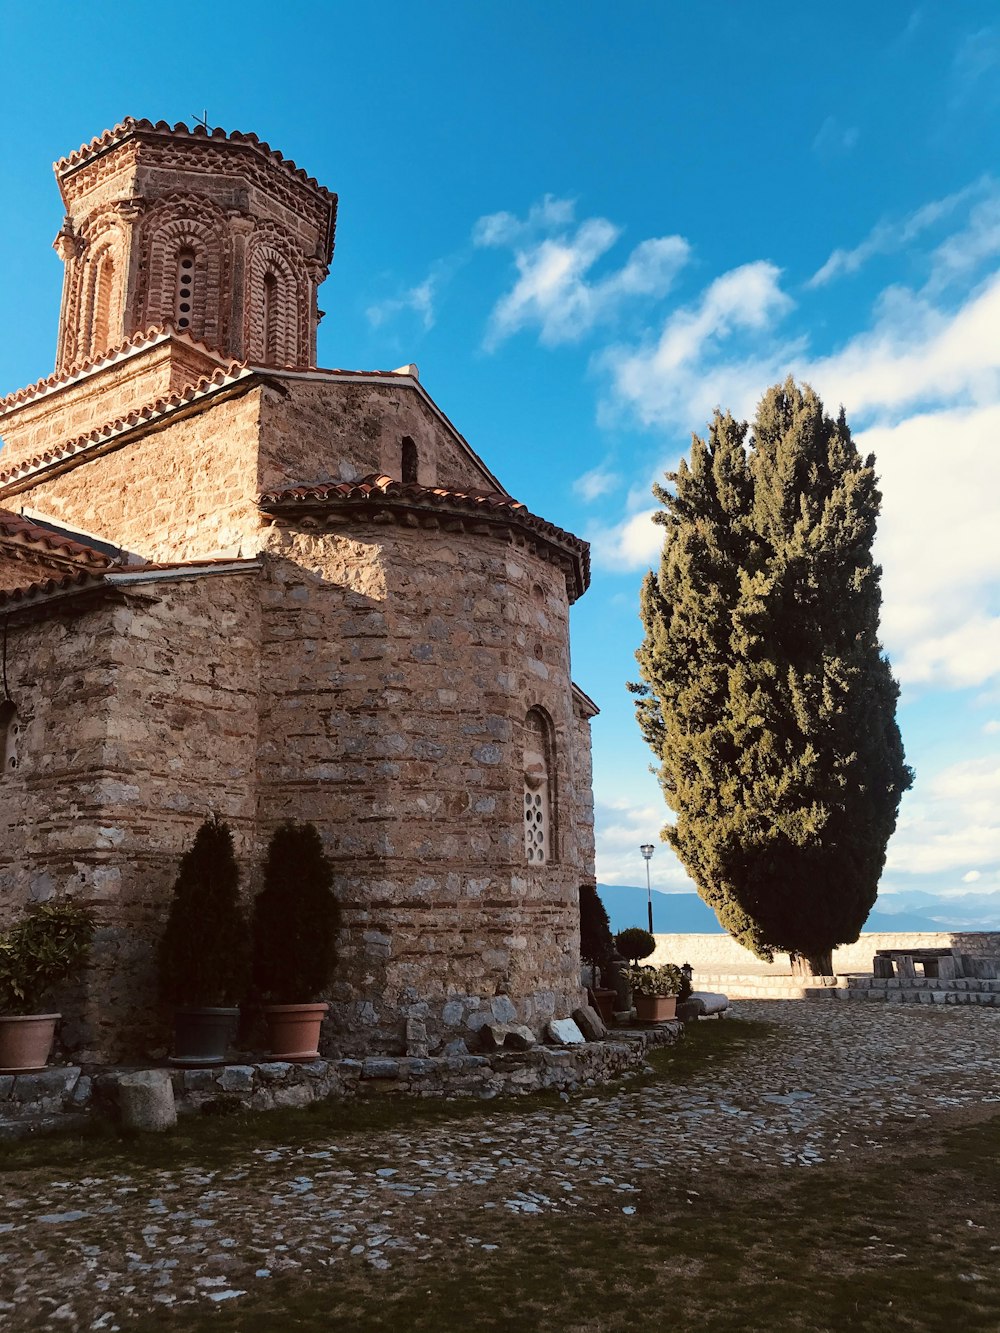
(85, 1251)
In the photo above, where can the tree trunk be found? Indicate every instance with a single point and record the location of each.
(812, 965)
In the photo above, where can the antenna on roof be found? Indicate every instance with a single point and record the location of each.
(202, 120)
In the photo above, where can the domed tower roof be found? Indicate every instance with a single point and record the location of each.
(214, 234)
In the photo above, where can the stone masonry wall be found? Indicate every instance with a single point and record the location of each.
(140, 717)
(336, 429)
(100, 397)
(721, 953)
(397, 726)
(182, 491)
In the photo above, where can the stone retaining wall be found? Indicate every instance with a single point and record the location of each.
(721, 953)
(66, 1095)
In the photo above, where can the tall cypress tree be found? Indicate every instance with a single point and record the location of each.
(764, 692)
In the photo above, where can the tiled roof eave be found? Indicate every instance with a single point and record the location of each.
(426, 508)
(119, 432)
(131, 128)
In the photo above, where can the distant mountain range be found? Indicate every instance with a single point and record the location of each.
(686, 914)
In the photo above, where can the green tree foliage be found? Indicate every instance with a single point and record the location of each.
(47, 946)
(764, 692)
(204, 953)
(597, 946)
(296, 918)
(635, 944)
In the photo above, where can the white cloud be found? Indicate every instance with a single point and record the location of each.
(622, 826)
(991, 728)
(504, 229)
(672, 380)
(951, 823)
(939, 544)
(833, 138)
(419, 299)
(595, 483)
(889, 236)
(972, 877)
(634, 543)
(555, 290)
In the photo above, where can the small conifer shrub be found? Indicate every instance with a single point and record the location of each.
(296, 918)
(597, 945)
(635, 944)
(204, 952)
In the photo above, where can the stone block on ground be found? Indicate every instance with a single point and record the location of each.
(506, 1036)
(590, 1023)
(563, 1032)
(146, 1100)
(714, 1002)
(688, 1010)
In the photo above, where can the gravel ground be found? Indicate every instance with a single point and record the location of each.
(88, 1251)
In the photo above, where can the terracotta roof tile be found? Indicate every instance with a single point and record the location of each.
(17, 531)
(131, 126)
(51, 587)
(378, 494)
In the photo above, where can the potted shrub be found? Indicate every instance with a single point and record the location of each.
(47, 946)
(597, 949)
(204, 952)
(295, 923)
(655, 991)
(635, 944)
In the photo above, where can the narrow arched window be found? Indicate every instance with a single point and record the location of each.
(537, 807)
(10, 730)
(270, 314)
(103, 297)
(409, 461)
(184, 292)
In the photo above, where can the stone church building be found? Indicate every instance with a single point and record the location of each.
(232, 581)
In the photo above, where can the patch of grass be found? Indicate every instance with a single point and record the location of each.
(903, 1241)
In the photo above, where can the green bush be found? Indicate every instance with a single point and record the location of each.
(48, 945)
(597, 947)
(296, 918)
(204, 952)
(635, 944)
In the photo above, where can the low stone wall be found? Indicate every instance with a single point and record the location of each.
(65, 1095)
(722, 954)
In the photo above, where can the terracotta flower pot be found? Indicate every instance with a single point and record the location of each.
(655, 1008)
(606, 1001)
(294, 1030)
(25, 1042)
(202, 1036)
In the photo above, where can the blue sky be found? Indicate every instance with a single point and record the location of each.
(589, 225)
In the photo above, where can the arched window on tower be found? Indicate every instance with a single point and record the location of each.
(409, 461)
(103, 297)
(270, 319)
(10, 730)
(184, 289)
(539, 831)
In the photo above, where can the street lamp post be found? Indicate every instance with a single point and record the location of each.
(647, 856)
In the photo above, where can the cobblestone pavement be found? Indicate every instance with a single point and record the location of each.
(86, 1252)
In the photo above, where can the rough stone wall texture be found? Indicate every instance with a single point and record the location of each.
(138, 717)
(396, 725)
(57, 415)
(335, 429)
(182, 491)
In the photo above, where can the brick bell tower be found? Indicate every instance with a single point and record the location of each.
(215, 235)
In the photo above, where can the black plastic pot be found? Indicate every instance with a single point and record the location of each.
(202, 1036)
